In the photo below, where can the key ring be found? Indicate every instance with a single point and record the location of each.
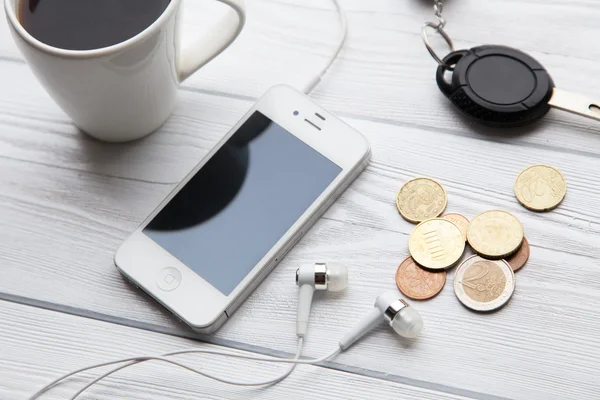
(439, 28)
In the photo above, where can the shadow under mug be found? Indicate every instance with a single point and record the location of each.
(128, 90)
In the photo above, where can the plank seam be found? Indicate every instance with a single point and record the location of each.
(63, 168)
(387, 121)
(78, 312)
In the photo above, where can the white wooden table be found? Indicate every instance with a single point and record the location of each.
(67, 202)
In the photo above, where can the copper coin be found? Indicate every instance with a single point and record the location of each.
(416, 283)
(459, 220)
(518, 260)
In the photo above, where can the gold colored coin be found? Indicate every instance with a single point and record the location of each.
(421, 199)
(495, 234)
(436, 244)
(459, 220)
(484, 285)
(540, 188)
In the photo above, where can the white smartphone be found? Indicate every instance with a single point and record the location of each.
(237, 213)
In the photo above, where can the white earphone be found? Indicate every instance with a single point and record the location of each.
(319, 276)
(404, 319)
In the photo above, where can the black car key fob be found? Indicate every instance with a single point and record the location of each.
(497, 85)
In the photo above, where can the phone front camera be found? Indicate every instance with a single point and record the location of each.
(296, 113)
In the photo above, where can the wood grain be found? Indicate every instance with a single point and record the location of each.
(67, 201)
(37, 346)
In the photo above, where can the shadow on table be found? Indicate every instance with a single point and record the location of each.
(499, 132)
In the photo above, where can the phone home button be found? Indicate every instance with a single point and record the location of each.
(168, 279)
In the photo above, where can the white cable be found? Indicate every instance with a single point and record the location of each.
(237, 383)
(135, 360)
(344, 34)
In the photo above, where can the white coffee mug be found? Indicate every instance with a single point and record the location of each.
(125, 91)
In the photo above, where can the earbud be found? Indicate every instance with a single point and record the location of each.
(319, 276)
(403, 319)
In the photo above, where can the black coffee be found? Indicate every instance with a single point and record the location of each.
(88, 24)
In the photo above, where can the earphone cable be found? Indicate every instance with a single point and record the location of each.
(205, 374)
(135, 360)
(344, 34)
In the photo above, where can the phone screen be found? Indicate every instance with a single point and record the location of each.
(241, 202)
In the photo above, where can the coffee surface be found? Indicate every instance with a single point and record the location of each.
(88, 24)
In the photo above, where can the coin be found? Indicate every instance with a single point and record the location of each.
(459, 220)
(495, 234)
(540, 188)
(518, 260)
(436, 244)
(484, 285)
(418, 284)
(421, 199)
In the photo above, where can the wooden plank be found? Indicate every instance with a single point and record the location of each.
(39, 345)
(32, 128)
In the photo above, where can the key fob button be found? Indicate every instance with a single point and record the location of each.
(501, 80)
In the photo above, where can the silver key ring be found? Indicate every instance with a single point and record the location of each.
(439, 28)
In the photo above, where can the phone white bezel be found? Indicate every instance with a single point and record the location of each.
(195, 301)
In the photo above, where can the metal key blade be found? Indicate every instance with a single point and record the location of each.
(575, 103)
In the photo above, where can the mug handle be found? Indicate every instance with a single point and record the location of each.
(208, 47)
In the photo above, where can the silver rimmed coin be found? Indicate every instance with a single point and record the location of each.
(484, 285)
